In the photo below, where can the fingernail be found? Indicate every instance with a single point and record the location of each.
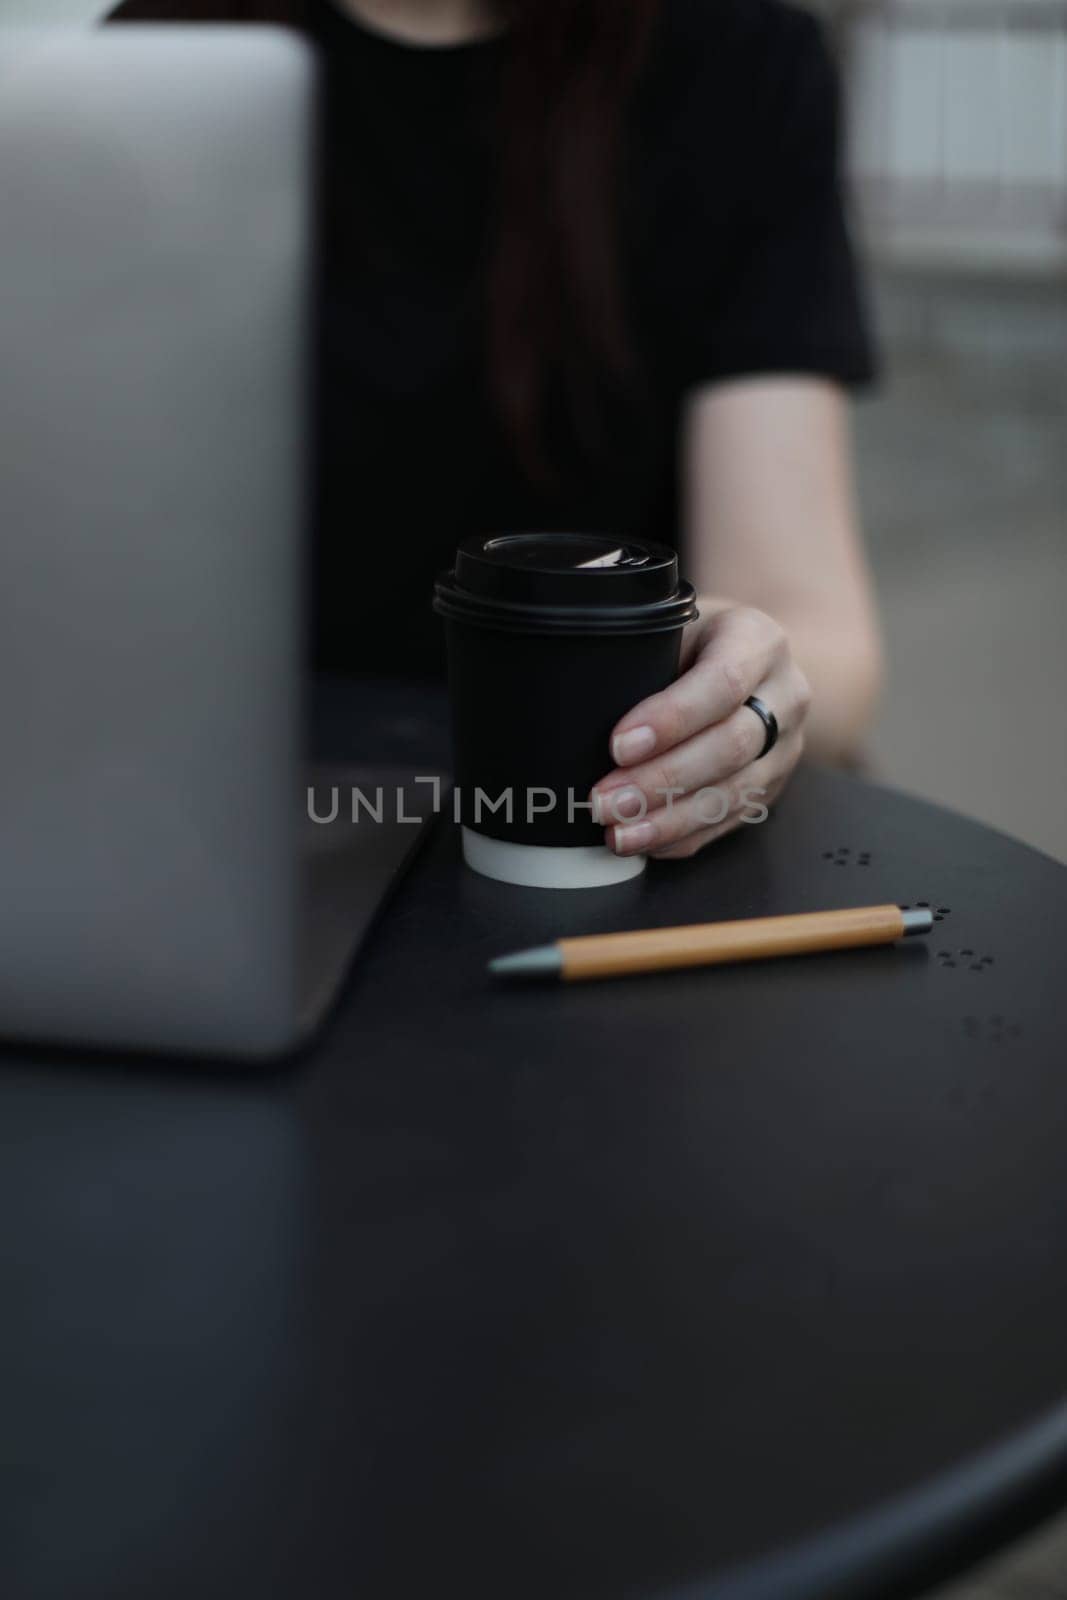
(632, 745)
(638, 836)
(621, 805)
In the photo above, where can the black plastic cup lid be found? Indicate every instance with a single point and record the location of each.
(565, 583)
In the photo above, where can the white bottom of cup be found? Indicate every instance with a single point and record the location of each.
(539, 866)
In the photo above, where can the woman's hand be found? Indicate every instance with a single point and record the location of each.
(689, 767)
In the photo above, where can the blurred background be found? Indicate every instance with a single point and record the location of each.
(957, 111)
(958, 161)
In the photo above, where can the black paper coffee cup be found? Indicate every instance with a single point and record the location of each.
(551, 639)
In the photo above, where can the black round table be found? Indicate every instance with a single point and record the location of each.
(738, 1283)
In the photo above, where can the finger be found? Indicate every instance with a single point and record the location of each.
(743, 648)
(709, 757)
(683, 849)
(710, 806)
(696, 634)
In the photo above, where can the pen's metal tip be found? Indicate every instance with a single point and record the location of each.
(917, 921)
(543, 962)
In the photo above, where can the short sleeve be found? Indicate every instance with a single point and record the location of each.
(791, 299)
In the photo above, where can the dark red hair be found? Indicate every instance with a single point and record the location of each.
(556, 325)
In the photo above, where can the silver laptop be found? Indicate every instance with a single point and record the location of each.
(161, 886)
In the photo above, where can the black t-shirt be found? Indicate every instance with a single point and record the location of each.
(735, 261)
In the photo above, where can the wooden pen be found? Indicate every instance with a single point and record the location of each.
(612, 955)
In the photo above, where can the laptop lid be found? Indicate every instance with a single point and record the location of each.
(154, 350)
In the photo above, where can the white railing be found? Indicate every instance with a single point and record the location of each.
(958, 119)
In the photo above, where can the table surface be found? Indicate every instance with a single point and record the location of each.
(736, 1283)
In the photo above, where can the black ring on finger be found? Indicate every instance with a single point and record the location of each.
(770, 723)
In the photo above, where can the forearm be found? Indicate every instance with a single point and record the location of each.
(771, 521)
(845, 670)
